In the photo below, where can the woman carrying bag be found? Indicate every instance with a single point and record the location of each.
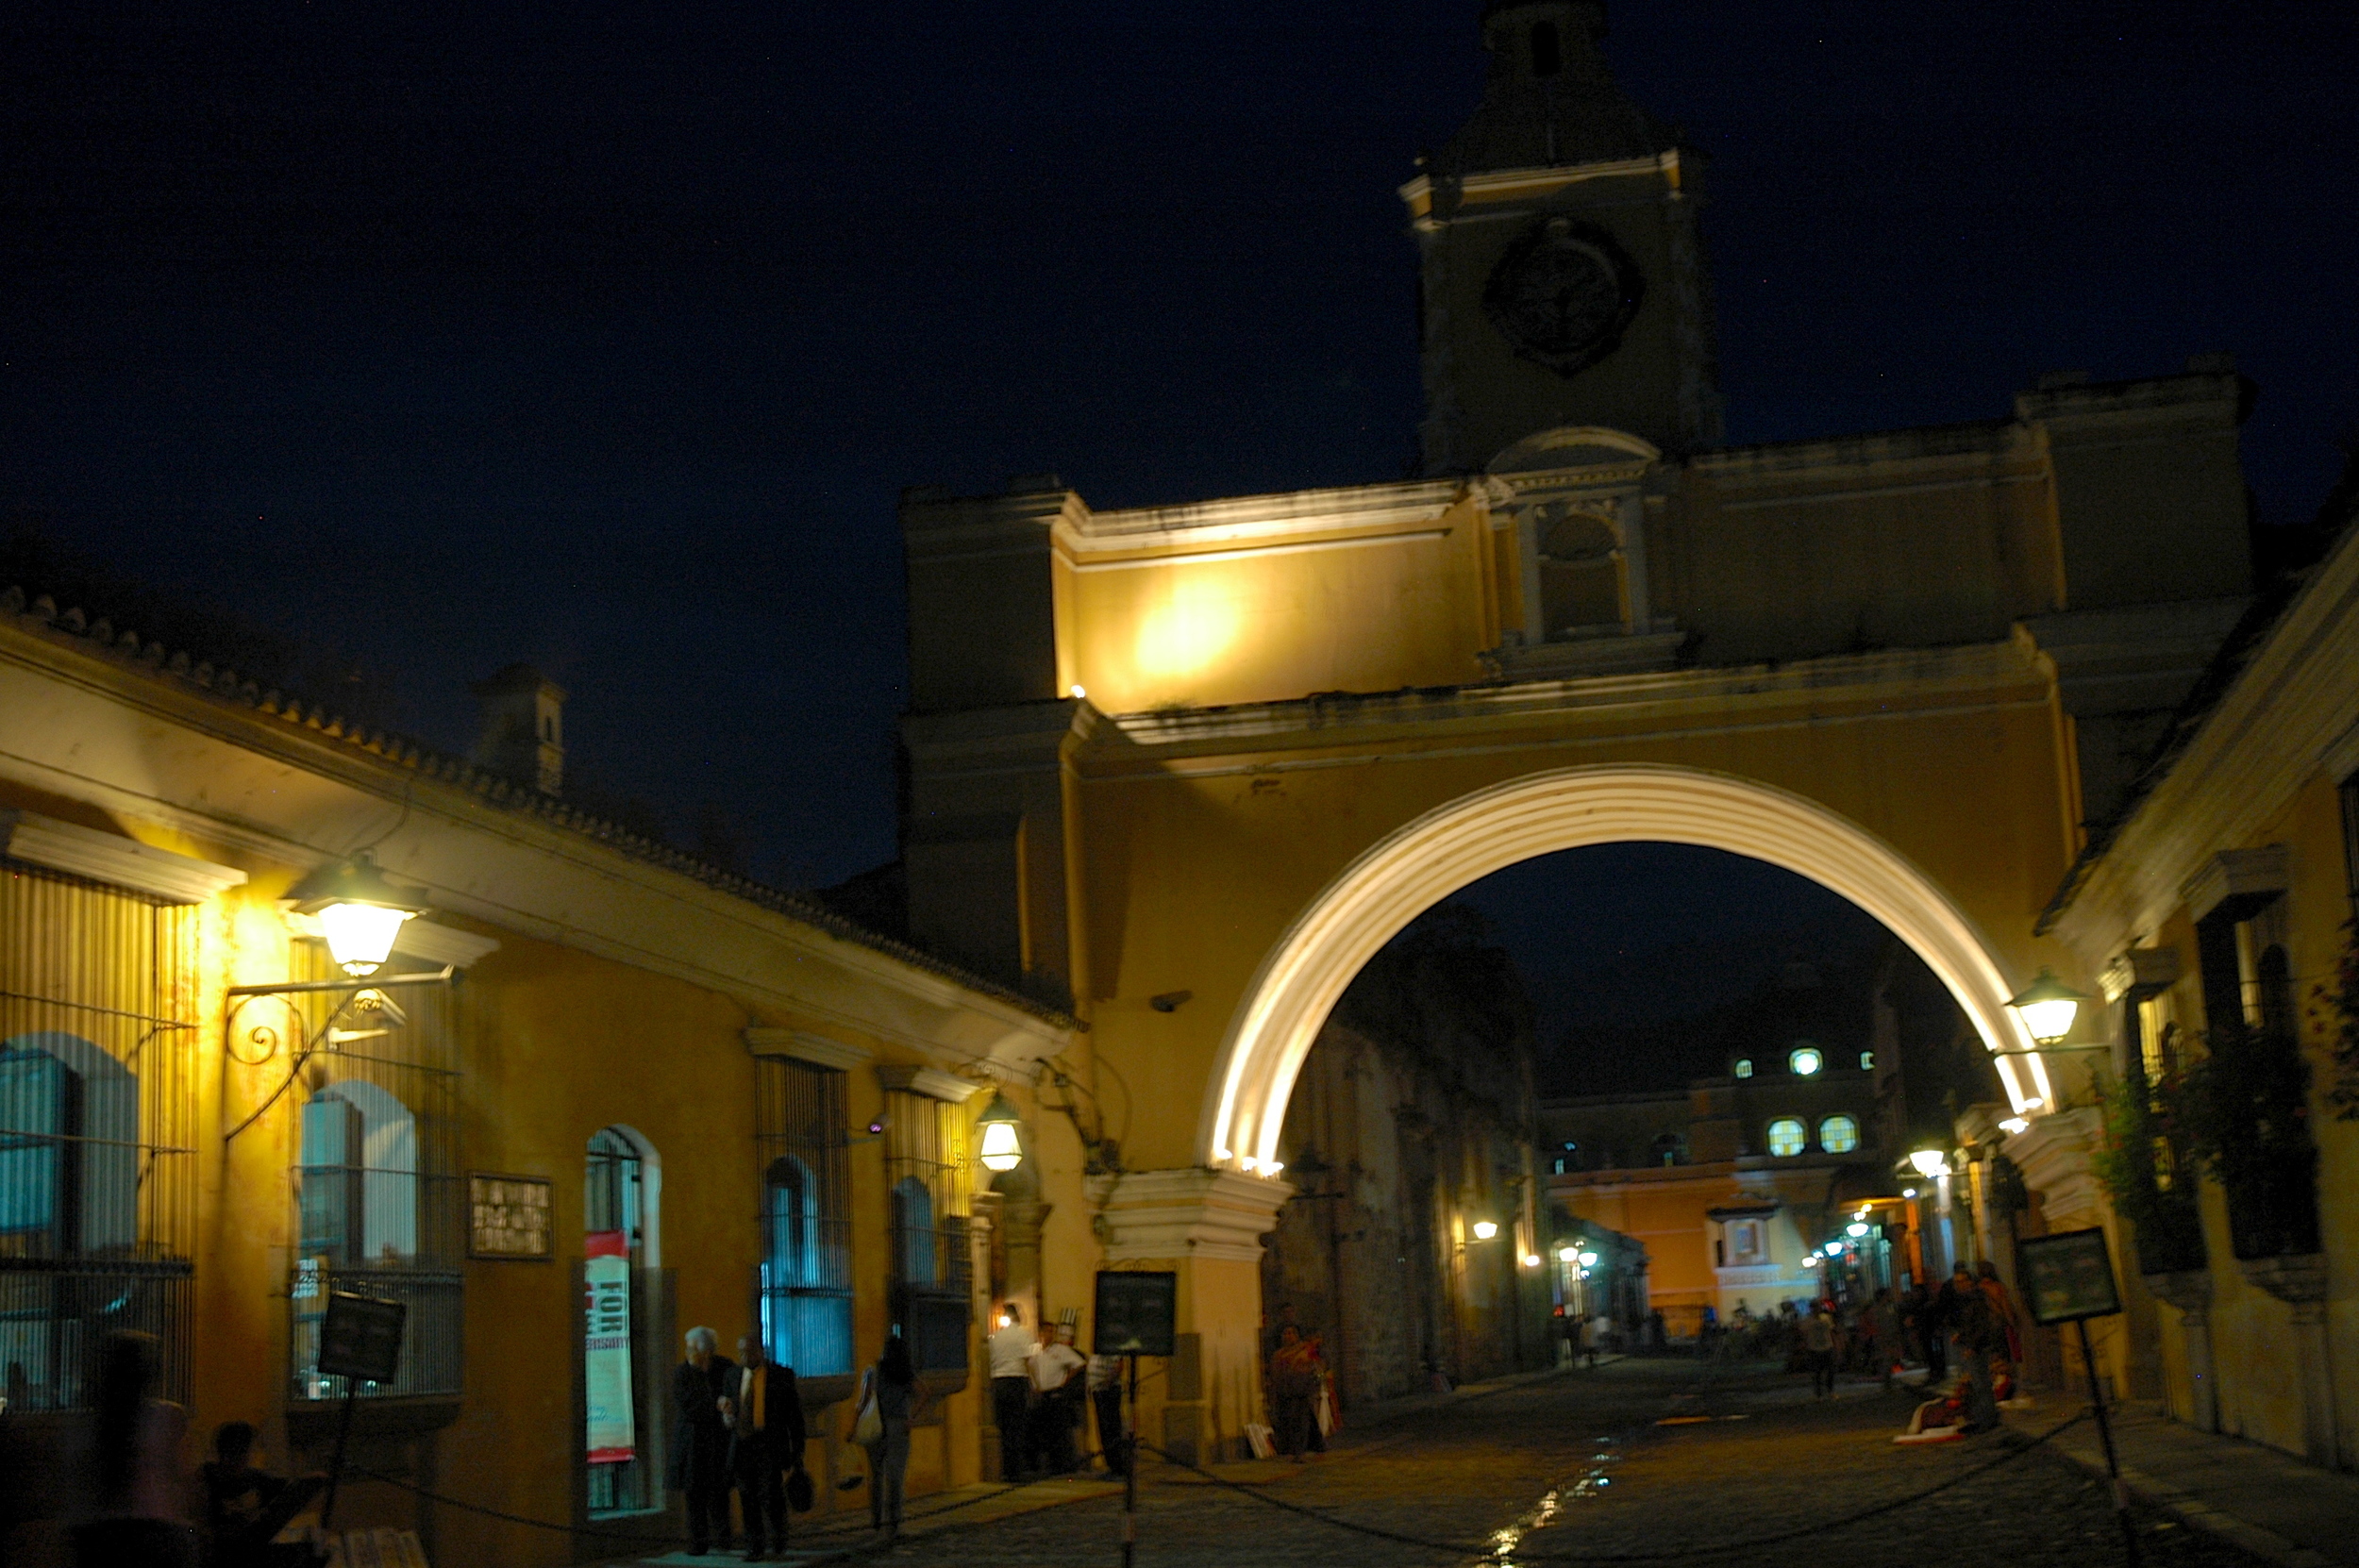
(891, 1397)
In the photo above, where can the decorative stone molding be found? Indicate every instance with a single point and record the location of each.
(2247, 875)
(111, 857)
(2190, 1289)
(2140, 972)
(803, 1046)
(2297, 1280)
(930, 1081)
(420, 939)
(1186, 1213)
(2053, 1155)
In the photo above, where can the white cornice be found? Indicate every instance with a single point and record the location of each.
(109, 858)
(1187, 1214)
(804, 1046)
(931, 1082)
(1283, 517)
(1967, 674)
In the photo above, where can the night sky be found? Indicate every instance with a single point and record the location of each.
(605, 335)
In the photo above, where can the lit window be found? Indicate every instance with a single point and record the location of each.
(1744, 1067)
(1806, 1061)
(1786, 1136)
(1838, 1135)
(1867, 1061)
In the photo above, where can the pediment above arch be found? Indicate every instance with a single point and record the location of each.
(1574, 454)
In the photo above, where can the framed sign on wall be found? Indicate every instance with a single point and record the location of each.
(507, 1216)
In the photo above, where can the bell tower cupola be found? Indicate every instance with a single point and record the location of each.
(1563, 279)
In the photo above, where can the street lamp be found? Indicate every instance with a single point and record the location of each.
(1929, 1163)
(1855, 1230)
(1002, 1149)
(1568, 1255)
(1588, 1259)
(2048, 1008)
(361, 910)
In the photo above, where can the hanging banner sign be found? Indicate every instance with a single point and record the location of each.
(605, 1348)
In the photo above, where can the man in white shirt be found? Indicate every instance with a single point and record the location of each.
(1057, 1373)
(1011, 1349)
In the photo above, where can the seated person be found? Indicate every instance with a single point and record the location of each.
(245, 1508)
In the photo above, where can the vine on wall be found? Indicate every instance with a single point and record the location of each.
(2334, 1006)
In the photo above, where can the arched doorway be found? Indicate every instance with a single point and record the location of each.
(620, 1184)
(1425, 861)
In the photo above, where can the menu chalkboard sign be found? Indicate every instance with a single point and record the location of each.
(2066, 1278)
(361, 1338)
(1137, 1313)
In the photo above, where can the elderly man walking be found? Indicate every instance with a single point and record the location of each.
(765, 1444)
(704, 1398)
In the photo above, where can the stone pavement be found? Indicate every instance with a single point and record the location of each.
(2272, 1505)
(1646, 1459)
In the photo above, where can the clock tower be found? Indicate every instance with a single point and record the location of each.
(1564, 276)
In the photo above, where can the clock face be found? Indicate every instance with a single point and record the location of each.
(1563, 294)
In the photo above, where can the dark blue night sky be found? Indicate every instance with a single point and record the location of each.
(605, 335)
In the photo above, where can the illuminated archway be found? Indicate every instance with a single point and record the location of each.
(1453, 845)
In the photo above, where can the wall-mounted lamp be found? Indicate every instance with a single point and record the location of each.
(361, 910)
(2048, 1008)
(1588, 1259)
(1568, 1255)
(1855, 1230)
(1531, 1259)
(1929, 1163)
(1171, 1001)
(1003, 1149)
(2013, 1124)
(1485, 1229)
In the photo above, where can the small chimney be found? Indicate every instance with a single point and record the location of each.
(522, 733)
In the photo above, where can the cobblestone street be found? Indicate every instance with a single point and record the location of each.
(1580, 1466)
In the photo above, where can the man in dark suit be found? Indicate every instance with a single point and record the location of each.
(766, 1444)
(704, 1393)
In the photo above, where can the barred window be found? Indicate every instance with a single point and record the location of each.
(97, 1131)
(927, 1179)
(381, 1209)
(806, 1270)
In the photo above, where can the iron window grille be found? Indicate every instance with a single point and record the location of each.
(927, 1182)
(97, 1131)
(380, 1205)
(805, 1277)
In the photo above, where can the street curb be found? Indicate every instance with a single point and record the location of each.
(2195, 1514)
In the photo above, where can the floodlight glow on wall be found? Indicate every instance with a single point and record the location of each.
(360, 912)
(2048, 1008)
(1003, 1150)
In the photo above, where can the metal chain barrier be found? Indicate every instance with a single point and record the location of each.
(1484, 1549)
(629, 1539)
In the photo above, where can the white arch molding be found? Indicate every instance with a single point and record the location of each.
(1460, 843)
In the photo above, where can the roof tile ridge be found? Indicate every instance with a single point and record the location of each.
(155, 662)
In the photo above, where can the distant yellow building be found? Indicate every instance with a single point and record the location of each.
(1196, 762)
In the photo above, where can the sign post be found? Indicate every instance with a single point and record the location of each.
(360, 1341)
(2069, 1278)
(1137, 1314)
